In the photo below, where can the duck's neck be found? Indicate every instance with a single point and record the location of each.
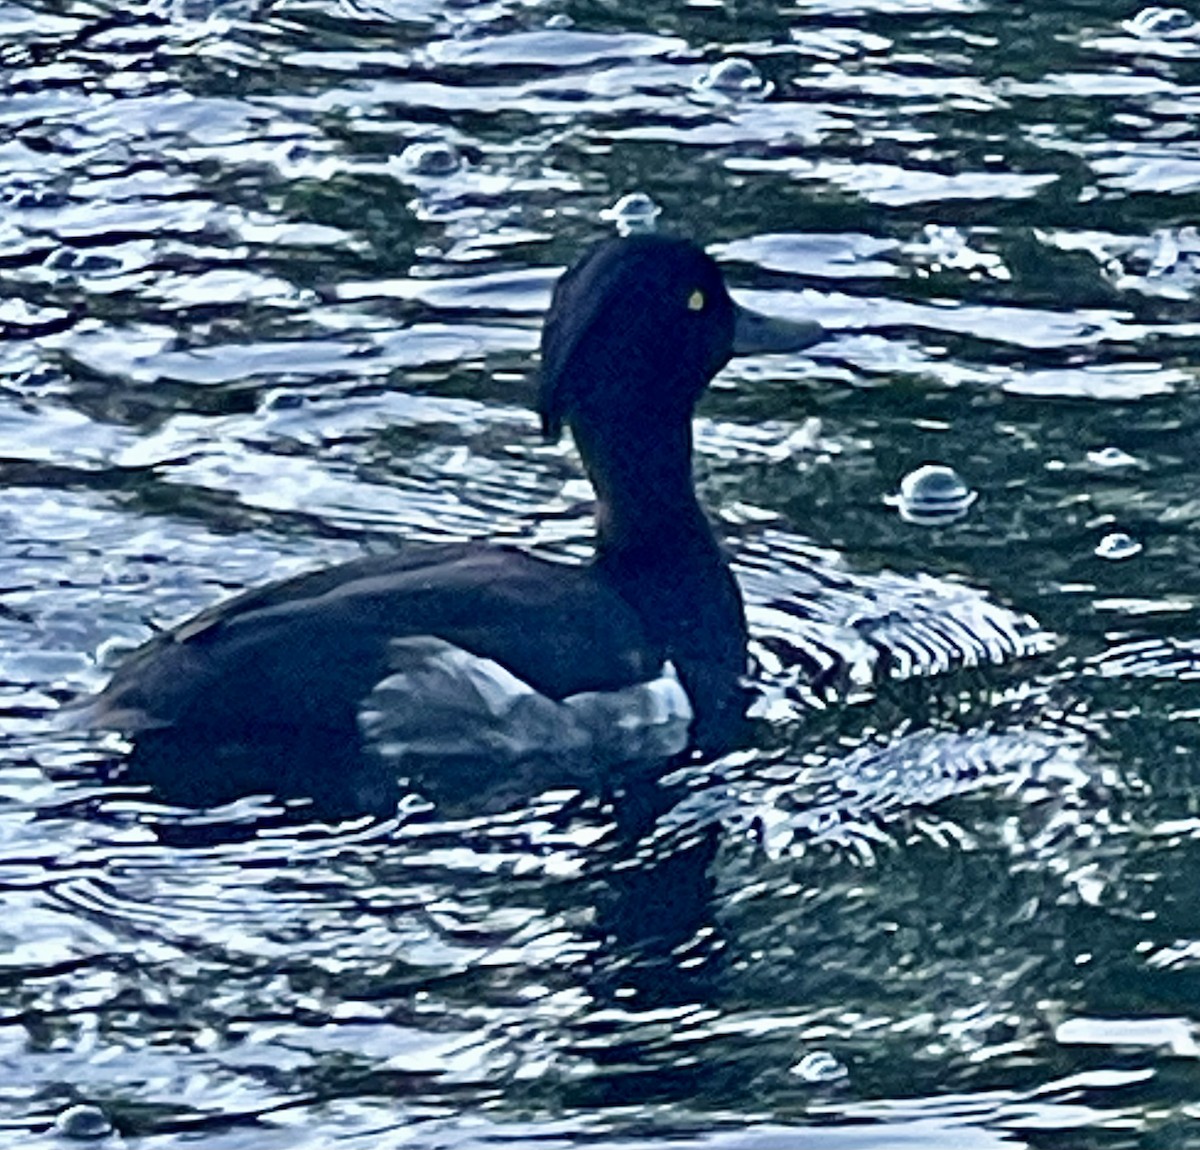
(646, 510)
(656, 547)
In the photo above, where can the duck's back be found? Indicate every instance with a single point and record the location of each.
(309, 651)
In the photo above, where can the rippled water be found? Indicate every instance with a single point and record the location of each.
(272, 276)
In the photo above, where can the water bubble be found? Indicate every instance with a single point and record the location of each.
(1162, 24)
(1111, 458)
(83, 1122)
(431, 158)
(282, 400)
(1117, 545)
(636, 212)
(733, 76)
(82, 263)
(560, 20)
(932, 494)
(820, 1066)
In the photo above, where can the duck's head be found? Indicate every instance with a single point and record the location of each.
(640, 325)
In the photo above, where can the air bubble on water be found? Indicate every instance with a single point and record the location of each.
(1117, 545)
(282, 399)
(820, 1067)
(932, 494)
(735, 77)
(635, 212)
(431, 158)
(83, 1123)
(1111, 458)
(1160, 23)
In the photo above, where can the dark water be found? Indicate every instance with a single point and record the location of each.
(271, 279)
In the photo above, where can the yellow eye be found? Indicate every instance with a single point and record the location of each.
(696, 301)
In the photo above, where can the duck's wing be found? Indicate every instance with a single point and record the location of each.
(309, 650)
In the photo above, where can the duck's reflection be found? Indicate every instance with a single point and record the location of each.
(649, 910)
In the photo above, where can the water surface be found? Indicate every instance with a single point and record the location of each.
(272, 277)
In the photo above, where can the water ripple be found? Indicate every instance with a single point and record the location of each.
(272, 279)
